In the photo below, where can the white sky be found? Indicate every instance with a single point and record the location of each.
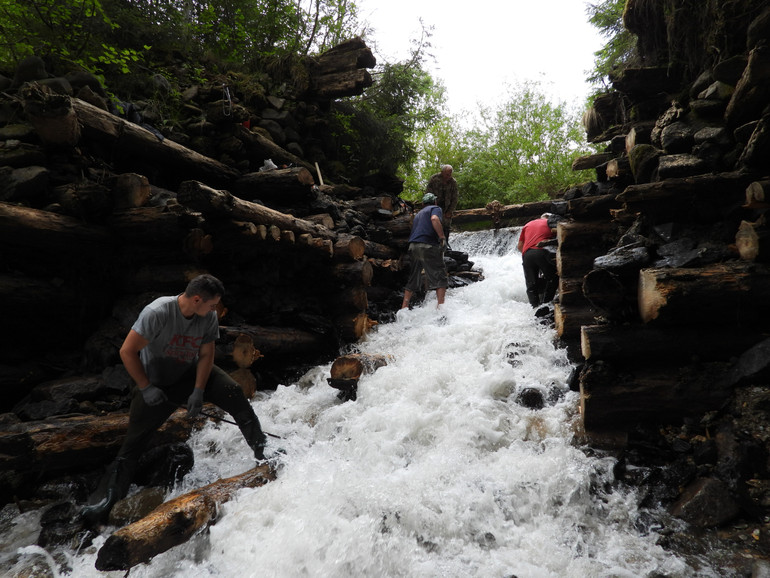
(482, 46)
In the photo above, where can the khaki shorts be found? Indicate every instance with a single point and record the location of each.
(430, 259)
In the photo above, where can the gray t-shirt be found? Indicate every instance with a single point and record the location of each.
(174, 340)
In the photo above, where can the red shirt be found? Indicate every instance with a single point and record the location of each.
(534, 232)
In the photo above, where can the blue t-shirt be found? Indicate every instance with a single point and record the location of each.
(174, 340)
(422, 228)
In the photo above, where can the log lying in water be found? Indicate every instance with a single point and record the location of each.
(348, 369)
(174, 522)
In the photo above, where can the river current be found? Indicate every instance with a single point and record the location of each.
(435, 470)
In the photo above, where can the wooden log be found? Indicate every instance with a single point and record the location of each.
(40, 449)
(349, 83)
(618, 168)
(355, 273)
(202, 198)
(758, 195)
(610, 399)
(723, 187)
(607, 293)
(131, 190)
(284, 186)
(349, 247)
(124, 137)
(244, 353)
(592, 208)
(576, 236)
(568, 320)
(142, 230)
(639, 134)
(174, 522)
(637, 344)
(354, 365)
(272, 341)
(379, 251)
(753, 241)
(370, 205)
(591, 161)
(324, 219)
(353, 327)
(508, 214)
(349, 55)
(571, 292)
(353, 299)
(52, 115)
(688, 296)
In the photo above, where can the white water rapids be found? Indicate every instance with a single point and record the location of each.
(435, 470)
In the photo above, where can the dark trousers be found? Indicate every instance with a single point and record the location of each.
(539, 276)
(144, 420)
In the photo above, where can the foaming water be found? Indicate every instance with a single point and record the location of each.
(435, 470)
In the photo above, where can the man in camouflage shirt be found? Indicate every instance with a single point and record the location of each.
(444, 186)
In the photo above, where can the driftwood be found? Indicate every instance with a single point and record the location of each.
(210, 201)
(175, 521)
(124, 137)
(282, 186)
(688, 296)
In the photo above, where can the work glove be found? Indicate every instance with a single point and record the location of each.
(153, 395)
(195, 402)
(443, 244)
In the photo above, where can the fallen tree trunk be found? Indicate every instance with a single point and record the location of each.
(202, 198)
(175, 521)
(124, 137)
(284, 186)
(687, 296)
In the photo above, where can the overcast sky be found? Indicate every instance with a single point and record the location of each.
(482, 45)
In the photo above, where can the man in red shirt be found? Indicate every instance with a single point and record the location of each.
(538, 263)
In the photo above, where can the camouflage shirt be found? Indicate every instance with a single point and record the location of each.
(446, 192)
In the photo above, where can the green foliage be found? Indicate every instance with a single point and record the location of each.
(379, 127)
(519, 152)
(607, 17)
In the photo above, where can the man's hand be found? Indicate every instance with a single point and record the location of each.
(443, 243)
(153, 395)
(195, 402)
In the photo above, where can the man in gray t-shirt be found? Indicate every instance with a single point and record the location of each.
(169, 353)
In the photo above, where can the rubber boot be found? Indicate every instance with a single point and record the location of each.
(115, 486)
(252, 431)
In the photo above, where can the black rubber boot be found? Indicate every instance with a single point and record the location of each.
(252, 431)
(114, 486)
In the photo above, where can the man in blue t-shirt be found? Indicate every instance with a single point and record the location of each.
(426, 251)
(169, 353)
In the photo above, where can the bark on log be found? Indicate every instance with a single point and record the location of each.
(52, 115)
(370, 205)
(350, 83)
(128, 138)
(323, 219)
(282, 186)
(611, 399)
(354, 365)
(571, 292)
(210, 201)
(353, 327)
(508, 214)
(753, 241)
(349, 55)
(591, 161)
(592, 208)
(568, 320)
(356, 273)
(31, 450)
(349, 247)
(638, 344)
(271, 341)
(174, 522)
(688, 296)
(723, 187)
(758, 195)
(379, 251)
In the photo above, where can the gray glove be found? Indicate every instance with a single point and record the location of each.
(153, 395)
(195, 402)
(443, 243)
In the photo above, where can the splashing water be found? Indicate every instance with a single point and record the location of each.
(435, 470)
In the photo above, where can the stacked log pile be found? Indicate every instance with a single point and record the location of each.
(669, 279)
(100, 213)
